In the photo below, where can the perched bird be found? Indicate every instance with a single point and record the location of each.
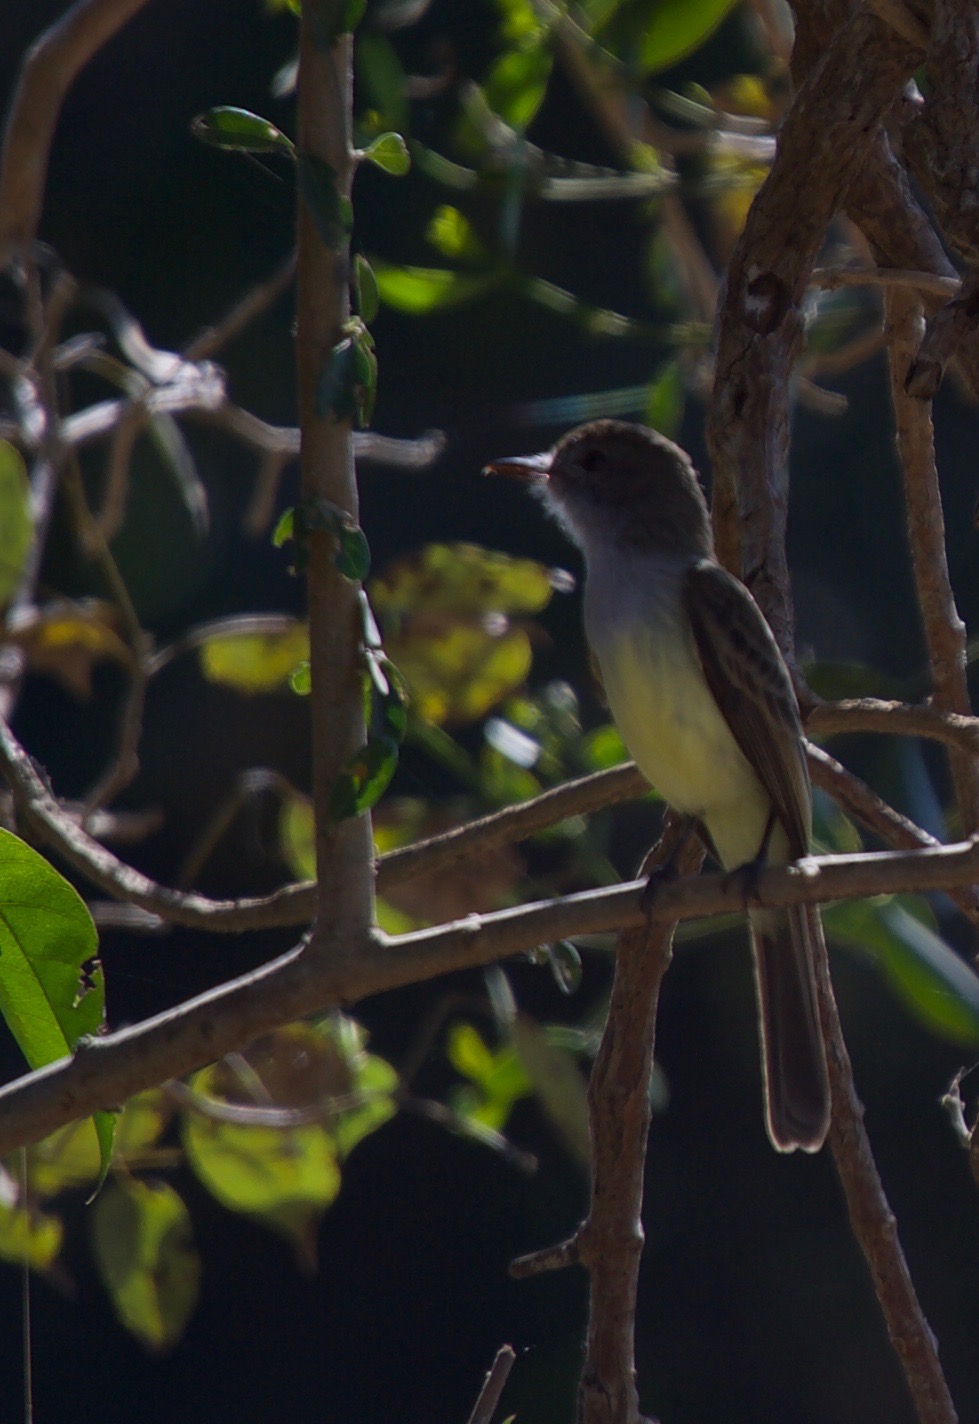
(704, 702)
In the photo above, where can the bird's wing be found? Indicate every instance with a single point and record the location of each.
(751, 685)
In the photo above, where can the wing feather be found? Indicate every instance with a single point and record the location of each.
(751, 685)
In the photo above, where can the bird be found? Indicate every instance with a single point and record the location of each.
(706, 707)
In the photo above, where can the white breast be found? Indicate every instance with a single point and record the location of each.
(663, 707)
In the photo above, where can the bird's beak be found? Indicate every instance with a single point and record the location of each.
(521, 467)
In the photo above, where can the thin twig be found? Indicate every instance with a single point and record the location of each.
(244, 311)
(945, 633)
(874, 1225)
(493, 1386)
(856, 798)
(832, 278)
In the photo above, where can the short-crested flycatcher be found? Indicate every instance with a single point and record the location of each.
(705, 704)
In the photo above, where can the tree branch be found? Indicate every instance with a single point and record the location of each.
(106, 1071)
(945, 634)
(47, 74)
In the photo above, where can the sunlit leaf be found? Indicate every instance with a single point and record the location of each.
(468, 1053)
(662, 32)
(389, 152)
(143, 1244)
(253, 662)
(16, 524)
(285, 528)
(452, 234)
(301, 679)
(364, 779)
(240, 130)
(51, 987)
(256, 1169)
(376, 1084)
(603, 748)
(933, 982)
(66, 640)
(498, 1078)
(464, 579)
(69, 1158)
(521, 21)
(296, 836)
(517, 83)
(461, 671)
(29, 1237)
(419, 290)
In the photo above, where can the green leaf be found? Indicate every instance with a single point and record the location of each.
(462, 579)
(335, 391)
(241, 131)
(296, 836)
(367, 299)
(498, 1078)
(468, 1053)
(390, 153)
(253, 662)
(452, 234)
(285, 528)
(257, 1169)
(517, 83)
(353, 554)
(51, 988)
(381, 80)
(939, 988)
(16, 524)
(353, 551)
(389, 698)
(105, 1124)
(331, 212)
(364, 377)
(364, 779)
(349, 15)
(420, 290)
(376, 1084)
(603, 748)
(673, 29)
(29, 1237)
(144, 1249)
(664, 402)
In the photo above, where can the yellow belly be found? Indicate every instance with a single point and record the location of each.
(673, 728)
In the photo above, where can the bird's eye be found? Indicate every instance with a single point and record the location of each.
(591, 461)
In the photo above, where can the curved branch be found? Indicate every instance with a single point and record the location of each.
(46, 76)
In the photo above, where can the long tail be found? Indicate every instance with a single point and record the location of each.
(797, 1102)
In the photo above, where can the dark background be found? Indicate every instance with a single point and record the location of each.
(755, 1304)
